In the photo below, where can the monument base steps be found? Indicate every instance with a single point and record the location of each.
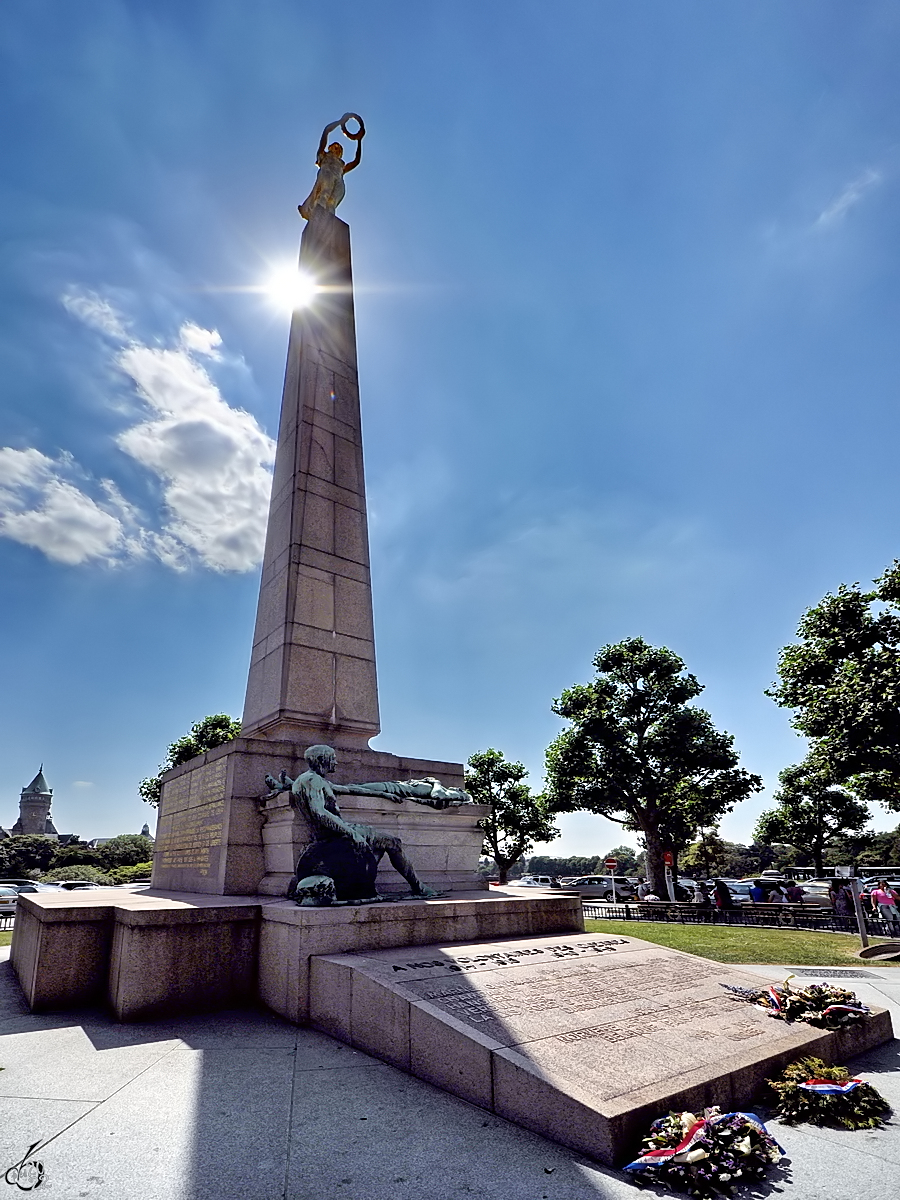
(156, 954)
(583, 1039)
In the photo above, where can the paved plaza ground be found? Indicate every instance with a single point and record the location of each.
(243, 1106)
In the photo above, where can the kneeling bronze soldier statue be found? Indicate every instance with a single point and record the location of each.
(341, 864)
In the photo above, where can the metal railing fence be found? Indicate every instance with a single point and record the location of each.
(774, 918)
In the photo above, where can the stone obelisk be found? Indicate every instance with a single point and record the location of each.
(312, 670)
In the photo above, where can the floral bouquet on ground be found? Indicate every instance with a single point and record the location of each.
(818, 1004)
(705, 1154)
(810, 1091)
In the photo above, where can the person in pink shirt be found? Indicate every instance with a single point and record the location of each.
(883, 902)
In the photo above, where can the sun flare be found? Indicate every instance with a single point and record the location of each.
(288, 288)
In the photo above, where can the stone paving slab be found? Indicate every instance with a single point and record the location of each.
(204, 1124)
(64, 1064)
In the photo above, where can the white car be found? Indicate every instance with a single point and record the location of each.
(8, 898)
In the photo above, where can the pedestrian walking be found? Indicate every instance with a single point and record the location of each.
(884, 903)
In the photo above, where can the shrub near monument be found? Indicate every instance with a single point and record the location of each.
(206, 734)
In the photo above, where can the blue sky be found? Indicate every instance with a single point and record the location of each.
(627, 304)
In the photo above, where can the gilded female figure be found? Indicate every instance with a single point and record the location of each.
(328, 190)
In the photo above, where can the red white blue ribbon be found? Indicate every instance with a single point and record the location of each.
(666, 1154)
(858, 1009)
(828, 1087)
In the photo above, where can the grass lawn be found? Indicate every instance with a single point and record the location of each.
(5, 937)
(744, 944)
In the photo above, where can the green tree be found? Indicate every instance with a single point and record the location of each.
(126, 850)
(517, 818)
(26, 855)
(542, 864)
(810, 810)
(624, 856)
(638, 753)
(76, 853)
(130, 874)
(205, 735)
(711, 854)
(842, 679)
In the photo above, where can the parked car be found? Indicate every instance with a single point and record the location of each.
(8, 898)
(739, 888)
(537, 881)
(77, 885)
(815, 891)
(33, 887)
(873, 881)
(604, 887)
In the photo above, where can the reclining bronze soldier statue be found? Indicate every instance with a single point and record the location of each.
(340, 866)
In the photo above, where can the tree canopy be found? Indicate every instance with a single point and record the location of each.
(810, 810)
(517, 818)
(26, 855)
(205, 735)
(842, 679)
(638, 753)
(126, 850)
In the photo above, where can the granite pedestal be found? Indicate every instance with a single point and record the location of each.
(154, 954)
(216, 835)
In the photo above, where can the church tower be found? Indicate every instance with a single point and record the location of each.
(34, 808)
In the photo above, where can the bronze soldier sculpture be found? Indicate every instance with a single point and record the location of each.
(341, 864)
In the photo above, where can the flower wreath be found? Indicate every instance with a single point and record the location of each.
(705, 1154)
(810, 1091)
(818, 1004)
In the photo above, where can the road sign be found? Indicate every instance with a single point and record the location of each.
(611, 864)
(668, 858)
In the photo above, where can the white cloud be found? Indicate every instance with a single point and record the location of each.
(40, 507)
(96, 312)
(67, 525)
(851, 195)
(213, 461)
(82, 783)
(201, 341)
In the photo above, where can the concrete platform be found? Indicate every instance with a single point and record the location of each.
(584, 1039)
(155, 954)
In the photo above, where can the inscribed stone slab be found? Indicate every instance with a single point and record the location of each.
(585, 1038)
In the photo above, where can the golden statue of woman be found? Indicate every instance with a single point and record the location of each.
(328, 190)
